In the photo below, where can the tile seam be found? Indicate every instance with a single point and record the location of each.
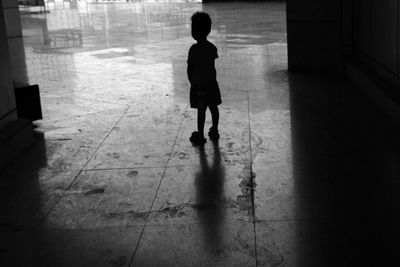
(252, 180)
(83, 167)
(153, 167)
(158, 188)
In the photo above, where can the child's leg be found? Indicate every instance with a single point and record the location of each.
(201, 118)
(215, 116)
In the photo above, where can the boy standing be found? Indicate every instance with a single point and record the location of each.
(204, 89)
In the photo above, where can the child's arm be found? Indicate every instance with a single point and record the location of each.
(190, 72)
(190, 65)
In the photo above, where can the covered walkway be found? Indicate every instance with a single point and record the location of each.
(113, 180)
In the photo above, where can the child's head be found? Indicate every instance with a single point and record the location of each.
(201, 25)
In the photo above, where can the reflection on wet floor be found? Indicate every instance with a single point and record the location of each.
(114, 181)
(120, 173)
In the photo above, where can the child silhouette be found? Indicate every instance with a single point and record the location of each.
(204, 89)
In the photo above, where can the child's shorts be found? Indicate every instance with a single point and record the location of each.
(207, 93)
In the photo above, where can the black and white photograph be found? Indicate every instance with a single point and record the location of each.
(199, 133)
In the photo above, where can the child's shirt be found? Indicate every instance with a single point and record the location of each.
(202, 57)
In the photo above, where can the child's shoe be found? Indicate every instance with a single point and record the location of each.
(196, 139)
(213, 134)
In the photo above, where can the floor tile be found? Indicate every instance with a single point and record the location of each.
(311, 243)
(271, 136)
(224, 244)
(143, 137)
(89, 247)
(72, 247)
(26, 202)
(107, 198)
(277, 195)
(202, 194)
(70, 143)
(233, 144)
(65, 106)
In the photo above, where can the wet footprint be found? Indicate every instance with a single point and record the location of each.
(132, 173)
(94, 191)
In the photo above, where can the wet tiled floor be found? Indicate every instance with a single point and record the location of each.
(113, 180)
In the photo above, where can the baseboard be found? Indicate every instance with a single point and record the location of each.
(15, 138)
(375, 88)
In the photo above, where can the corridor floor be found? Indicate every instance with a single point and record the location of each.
(113, 180)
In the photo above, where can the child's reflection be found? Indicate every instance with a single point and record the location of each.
(210, 197)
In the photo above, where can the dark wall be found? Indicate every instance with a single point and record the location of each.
(314, 31)
(328, 35)
(7, 100)
(376, 37)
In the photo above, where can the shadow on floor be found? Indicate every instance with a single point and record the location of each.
(346, 160)
(21, 202)
(209, 183)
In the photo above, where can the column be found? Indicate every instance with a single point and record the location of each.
(12, 18)
(16, 135)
